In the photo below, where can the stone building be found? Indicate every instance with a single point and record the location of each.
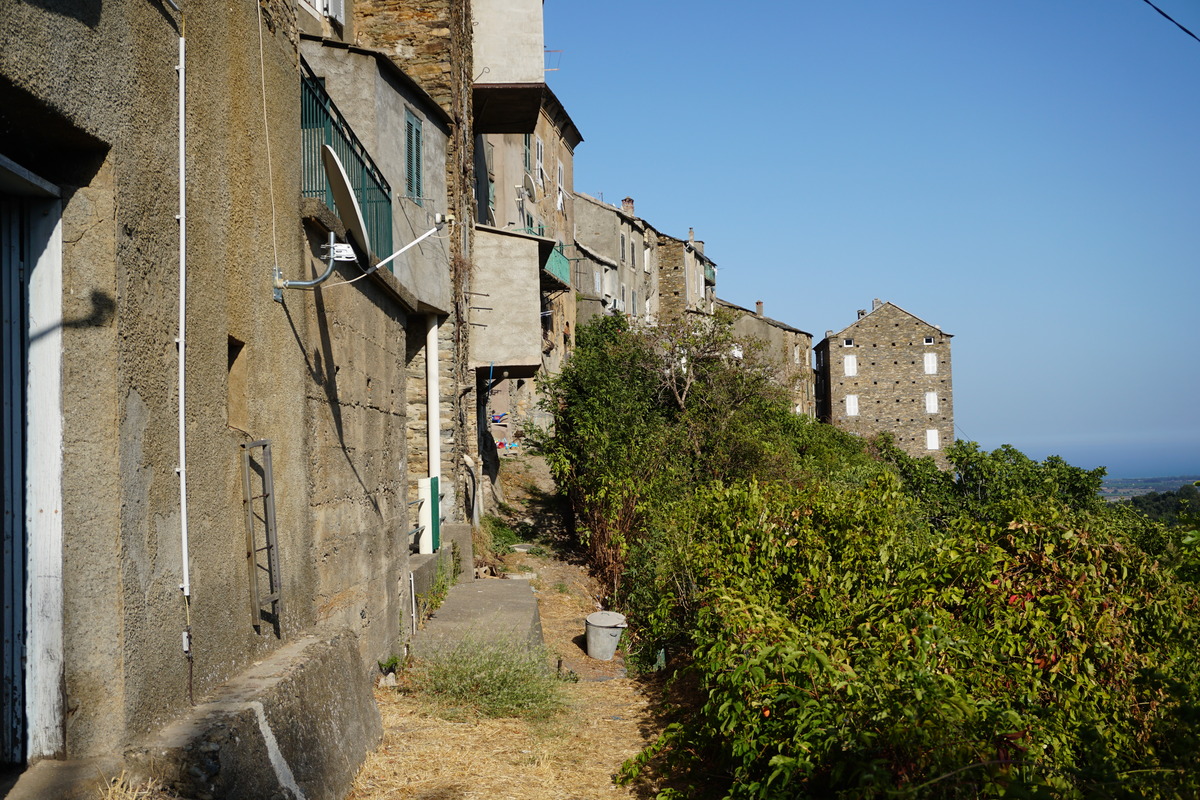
(787, 349)
(525, 310)
(211, 470)
(617, 271)
(889, 371)
(687, 278)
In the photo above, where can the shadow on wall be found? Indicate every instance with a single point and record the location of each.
(103, 308)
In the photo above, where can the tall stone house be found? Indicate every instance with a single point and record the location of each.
(617, 269)
(687, 277)
(889, 371)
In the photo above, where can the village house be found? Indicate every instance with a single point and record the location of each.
(787, 349)
(687, 278)
(889, 371)
(617, 271)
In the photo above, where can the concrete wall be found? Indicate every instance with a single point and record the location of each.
(507, 267)
(891, 383)
(90, 94)
(508, 41)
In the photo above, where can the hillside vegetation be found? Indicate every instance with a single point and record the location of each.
(842, 620)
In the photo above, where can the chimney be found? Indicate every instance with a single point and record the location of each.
(758, 308)
(876, 303)
(627, 206)
(862, 312)
(828, 334)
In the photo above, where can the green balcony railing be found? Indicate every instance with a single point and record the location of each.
(558, 265)
(710, 274)
(321, 123)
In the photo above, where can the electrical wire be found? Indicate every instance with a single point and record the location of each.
(1172, 21)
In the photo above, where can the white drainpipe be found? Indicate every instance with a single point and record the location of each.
(432, 392)
(181, 341)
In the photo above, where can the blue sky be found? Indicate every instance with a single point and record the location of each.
(1023, 173)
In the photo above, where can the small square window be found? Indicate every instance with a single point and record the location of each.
(928, 340)
(847, 343)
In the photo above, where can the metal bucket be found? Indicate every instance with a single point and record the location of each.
(604, 633)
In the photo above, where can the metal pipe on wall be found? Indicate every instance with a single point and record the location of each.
(433, 415)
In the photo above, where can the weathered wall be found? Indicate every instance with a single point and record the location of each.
(431, 41)
(788, 349)
(891, 384)
(93, 95)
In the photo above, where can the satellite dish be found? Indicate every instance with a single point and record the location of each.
(343, 197)
(530, 187)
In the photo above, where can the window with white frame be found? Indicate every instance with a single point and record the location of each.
(850, 364)
(931, 402)
(646, 258)
(928, 340)
(336, 10)
(931, 363)
(539, 152)
(851, 405)
(931, 439)
(562, 196)
(847, 343)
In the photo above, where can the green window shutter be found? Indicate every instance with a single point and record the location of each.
(412, 158)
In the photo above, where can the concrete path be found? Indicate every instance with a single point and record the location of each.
(484, 610)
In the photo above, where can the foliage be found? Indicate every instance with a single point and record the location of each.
(443, 579)
(501, 678)
(842, 653)
(643, 417)
(501, 535)
(1166, 506)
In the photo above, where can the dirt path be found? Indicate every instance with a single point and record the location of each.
(572, 757)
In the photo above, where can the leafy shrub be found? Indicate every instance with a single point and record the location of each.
(502, 535)
(500, 678)
(841, 654)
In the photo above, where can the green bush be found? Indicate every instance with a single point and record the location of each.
(501, 678)
(503, 536)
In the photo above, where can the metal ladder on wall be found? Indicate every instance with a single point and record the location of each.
(262, 542)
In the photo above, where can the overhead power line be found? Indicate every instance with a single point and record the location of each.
(1168, 16)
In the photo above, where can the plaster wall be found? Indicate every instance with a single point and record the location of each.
(507, 279)
(91, 90)
(374, 102)
(508, 41)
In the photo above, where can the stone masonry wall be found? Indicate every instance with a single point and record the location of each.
(891, 383)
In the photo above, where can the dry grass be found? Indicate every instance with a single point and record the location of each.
(571, 757)
(124, 787)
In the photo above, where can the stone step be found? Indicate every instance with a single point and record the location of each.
(485, 611)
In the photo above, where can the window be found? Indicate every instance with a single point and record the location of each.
(622, 248)
(847, 343)
(931, 363)
(336, 10)
(646, 258)
(562, 196)
(928, 340)
(737, 351)
(538, 154)
(528, 153)
(633, 306)
(931, 402)
(850, 363)
(796, 354)
(412, 157)
(596, 282)
(931, 439)
(851, 405)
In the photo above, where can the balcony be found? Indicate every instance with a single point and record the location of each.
(509, 58)
(710, 273)
(510, 266)
(322, 124)
(559, 266)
